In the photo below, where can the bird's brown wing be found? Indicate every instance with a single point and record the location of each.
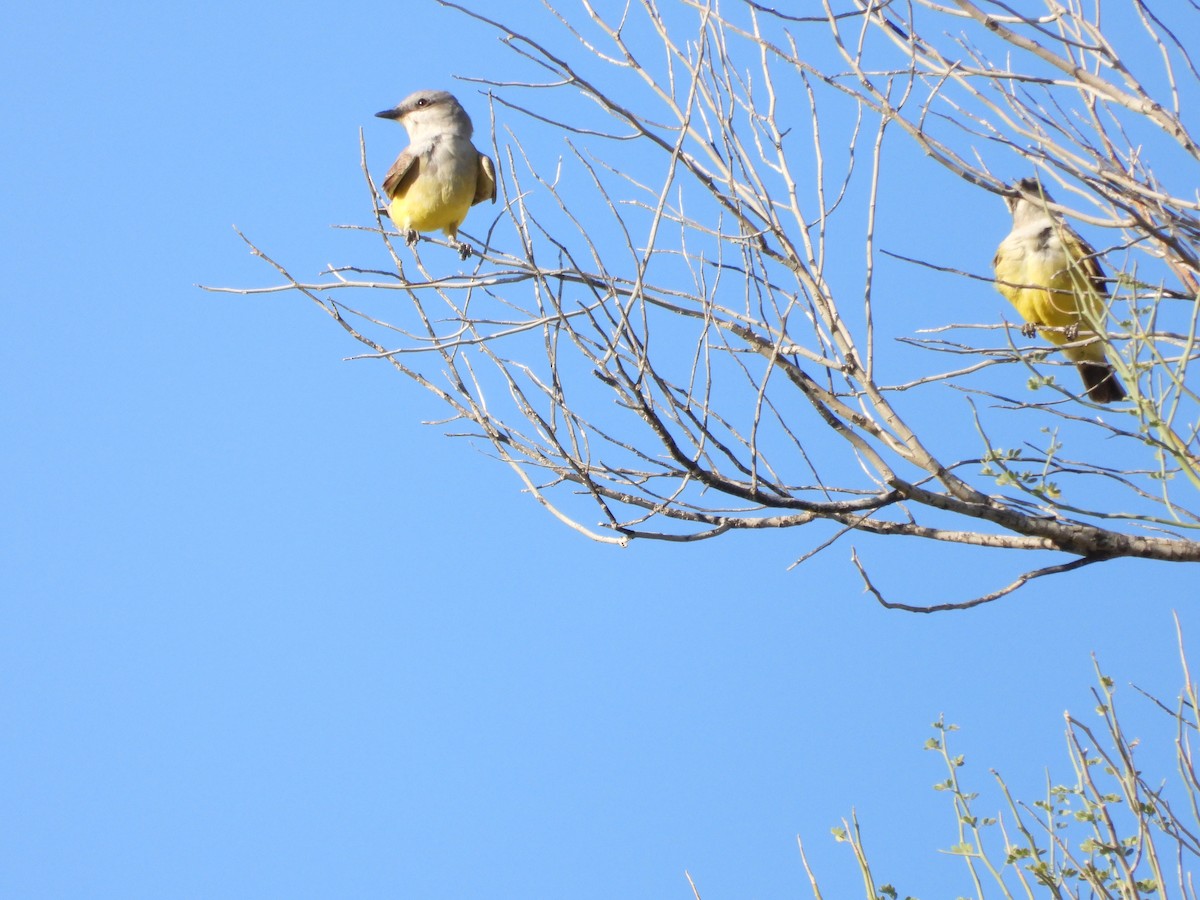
(401, 174)
(1087, 259)
(485, 181)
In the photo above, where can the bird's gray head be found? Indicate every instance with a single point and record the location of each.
(430, 113)
(1027, 200)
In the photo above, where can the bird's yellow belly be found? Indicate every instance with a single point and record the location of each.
(1056, 309)
(1066, 298)
(431, 204)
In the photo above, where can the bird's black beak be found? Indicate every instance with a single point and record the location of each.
(388, 114)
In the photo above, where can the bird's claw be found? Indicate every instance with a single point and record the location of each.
(1028, 329)
(411, 237)
(464, 250)
(1071, 331)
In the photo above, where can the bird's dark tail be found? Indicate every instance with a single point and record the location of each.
(1101, 382)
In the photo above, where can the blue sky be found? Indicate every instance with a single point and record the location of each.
(264, 634)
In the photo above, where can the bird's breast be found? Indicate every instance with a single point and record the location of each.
(440, 195)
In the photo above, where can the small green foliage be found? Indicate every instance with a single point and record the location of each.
(1034, 480)
(1095, 875)
(1049, 490)
(1102, 835)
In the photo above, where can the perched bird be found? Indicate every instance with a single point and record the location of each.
(1053, 278)
(440, 175)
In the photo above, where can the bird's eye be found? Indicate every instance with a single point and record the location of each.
(422, 102)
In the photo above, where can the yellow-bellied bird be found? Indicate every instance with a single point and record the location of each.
(440, 175)
(1053, 278)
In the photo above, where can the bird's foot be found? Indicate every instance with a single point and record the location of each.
(1071, 331)
(464, 250)
(411, 237)
(1028, 329)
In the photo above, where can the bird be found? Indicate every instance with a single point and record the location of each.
(1053, 278)
(440, 175)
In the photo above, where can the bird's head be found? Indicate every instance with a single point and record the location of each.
(430, 112)
(1029, 188)
(1026, 198)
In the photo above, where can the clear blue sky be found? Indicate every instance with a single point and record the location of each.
(265, 635)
